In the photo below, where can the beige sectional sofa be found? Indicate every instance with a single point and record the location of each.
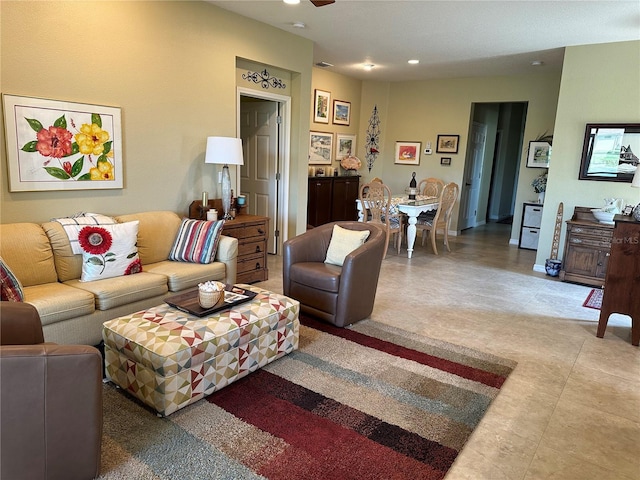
(72, 312)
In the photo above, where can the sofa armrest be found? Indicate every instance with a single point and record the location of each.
(51, 412)
(20, 324)
(227, 253)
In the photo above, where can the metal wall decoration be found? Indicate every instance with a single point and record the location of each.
(264, 78)
(373, 138)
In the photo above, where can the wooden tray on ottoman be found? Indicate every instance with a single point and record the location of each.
(188, 301)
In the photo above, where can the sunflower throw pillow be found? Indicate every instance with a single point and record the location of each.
(109, 251)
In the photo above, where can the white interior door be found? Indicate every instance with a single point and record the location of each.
(259, 174)
(470, 192)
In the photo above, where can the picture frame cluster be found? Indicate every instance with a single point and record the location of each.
(322, 109)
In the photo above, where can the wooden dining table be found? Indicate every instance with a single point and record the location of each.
(412, 208)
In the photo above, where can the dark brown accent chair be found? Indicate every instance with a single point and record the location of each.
(338, 295)
(51, 402)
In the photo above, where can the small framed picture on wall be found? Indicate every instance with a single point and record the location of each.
(407, 153)
(321, 106)
(345, 146)
(320, 146)
(445, 161)
(341, 112)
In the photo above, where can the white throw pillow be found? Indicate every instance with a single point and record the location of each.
(109, 251)
(343, 242)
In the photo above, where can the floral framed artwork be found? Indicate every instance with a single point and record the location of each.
(341, 112)
(320, 147)
(447, 143)
(321, 106)
(539, 155)
(407, 153)
(345, 146)
(58, 145)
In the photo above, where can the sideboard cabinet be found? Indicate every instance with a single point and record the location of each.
(587, 249)
(332, 199)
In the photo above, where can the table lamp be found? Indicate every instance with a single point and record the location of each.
(636, 183)
(224, 151)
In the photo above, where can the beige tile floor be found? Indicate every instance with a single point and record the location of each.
(571, 408)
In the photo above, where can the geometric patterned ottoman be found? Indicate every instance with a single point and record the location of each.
(169, 359)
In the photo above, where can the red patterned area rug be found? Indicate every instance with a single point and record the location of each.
(594, 299)
(369, 402)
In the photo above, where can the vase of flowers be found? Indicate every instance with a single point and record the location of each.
(539, 185)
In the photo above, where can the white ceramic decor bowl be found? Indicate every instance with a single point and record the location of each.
(602, 216)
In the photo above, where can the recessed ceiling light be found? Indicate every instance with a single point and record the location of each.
(291, 2)
(537, 63)
(368, 66)
(299, 25)
(413, 62)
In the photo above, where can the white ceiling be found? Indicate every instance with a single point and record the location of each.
(455, 38)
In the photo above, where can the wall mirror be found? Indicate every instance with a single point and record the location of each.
(610, 152)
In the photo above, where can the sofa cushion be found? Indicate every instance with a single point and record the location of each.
(183, 275)
(68, 264)
(343, 242)
(56, 302)
(156, 233)
(196, 241)
(116, 291)
(109, 251)
(26, 250)
(10, 286)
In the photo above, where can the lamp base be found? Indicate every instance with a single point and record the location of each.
(226, 192)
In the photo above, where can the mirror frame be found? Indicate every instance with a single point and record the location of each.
(630, 137)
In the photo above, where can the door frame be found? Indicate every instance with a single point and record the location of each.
(283, 160)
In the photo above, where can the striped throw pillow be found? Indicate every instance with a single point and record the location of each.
(10, 288)
(197, 241)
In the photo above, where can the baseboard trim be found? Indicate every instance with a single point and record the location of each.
(514, 241)
(539, 268)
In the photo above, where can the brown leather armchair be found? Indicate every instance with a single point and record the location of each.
(50, 402)
(339, 295)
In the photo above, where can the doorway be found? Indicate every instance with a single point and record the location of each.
(263, 127)
(492, 163)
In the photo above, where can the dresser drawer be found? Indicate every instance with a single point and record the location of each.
(251, 248)
(583, 240)
(251, 262)
(247, 231)
(586, 231)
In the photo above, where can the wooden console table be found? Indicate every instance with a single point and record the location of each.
(622, 285)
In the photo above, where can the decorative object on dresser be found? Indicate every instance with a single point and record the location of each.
(587, 249)
(224, 151)
(636, 184)
(621, 287)
(530, 226)
(332, 199)
(252, 234)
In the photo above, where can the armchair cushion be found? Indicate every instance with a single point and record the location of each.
(343, 242)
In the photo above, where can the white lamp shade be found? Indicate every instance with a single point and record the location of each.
(224, 151)
(636, 178)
